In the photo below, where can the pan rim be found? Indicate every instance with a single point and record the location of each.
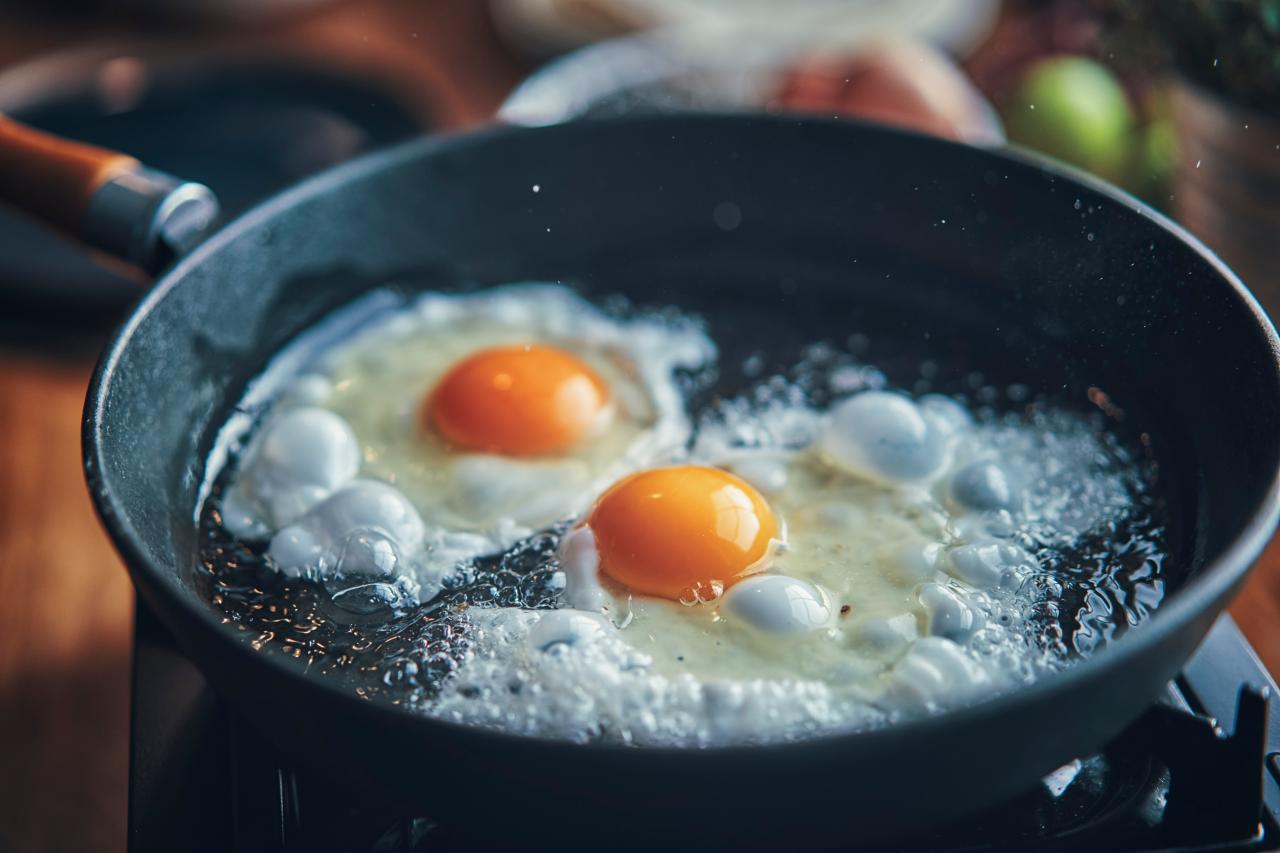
(1214, 581)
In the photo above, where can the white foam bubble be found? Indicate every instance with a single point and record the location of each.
(884, 437)
(316, 540)
(301, 457)
(779, 605)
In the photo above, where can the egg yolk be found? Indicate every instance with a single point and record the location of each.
(523, 400)
(674, 531)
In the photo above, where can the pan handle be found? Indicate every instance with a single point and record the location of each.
(108, 200)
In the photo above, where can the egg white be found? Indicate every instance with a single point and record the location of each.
(357, 412)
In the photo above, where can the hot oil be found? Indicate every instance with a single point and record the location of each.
(367, 634)
(370, 638)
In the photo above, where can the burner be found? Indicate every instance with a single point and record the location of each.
(1173, 781)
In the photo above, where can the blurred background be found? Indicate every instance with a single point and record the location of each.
(1176, 101)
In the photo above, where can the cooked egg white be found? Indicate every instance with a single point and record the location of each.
(373, 408)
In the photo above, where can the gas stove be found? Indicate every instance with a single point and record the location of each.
(1200, 771)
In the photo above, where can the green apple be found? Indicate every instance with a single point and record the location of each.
(1074, 109)
(1154, 160)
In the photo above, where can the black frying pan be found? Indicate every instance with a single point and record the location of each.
(929, 248)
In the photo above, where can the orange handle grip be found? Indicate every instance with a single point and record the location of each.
(52, 178)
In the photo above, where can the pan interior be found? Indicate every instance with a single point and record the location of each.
(923, 343)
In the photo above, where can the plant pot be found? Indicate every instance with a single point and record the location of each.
(1227, 185)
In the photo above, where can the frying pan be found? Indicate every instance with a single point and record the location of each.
(973, 258)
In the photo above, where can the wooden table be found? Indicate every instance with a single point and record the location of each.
(65, 601)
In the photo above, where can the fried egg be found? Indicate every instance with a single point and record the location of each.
(862, 569)
(782, 562)
(458, 426)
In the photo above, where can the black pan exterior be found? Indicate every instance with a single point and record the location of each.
(969, 255)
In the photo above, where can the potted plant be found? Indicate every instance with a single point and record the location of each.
(1224, 60)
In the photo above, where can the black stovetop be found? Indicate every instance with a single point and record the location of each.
(200, 780)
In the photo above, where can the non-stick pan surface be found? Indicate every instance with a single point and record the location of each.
(780, 232)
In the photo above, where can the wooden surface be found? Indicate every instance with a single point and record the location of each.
(66, 602)
(1257, 608)
(65, 623)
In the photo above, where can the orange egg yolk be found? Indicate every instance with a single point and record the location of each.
(677, 531)
(523, 400)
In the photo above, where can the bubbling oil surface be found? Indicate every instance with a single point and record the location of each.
(368, 634)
